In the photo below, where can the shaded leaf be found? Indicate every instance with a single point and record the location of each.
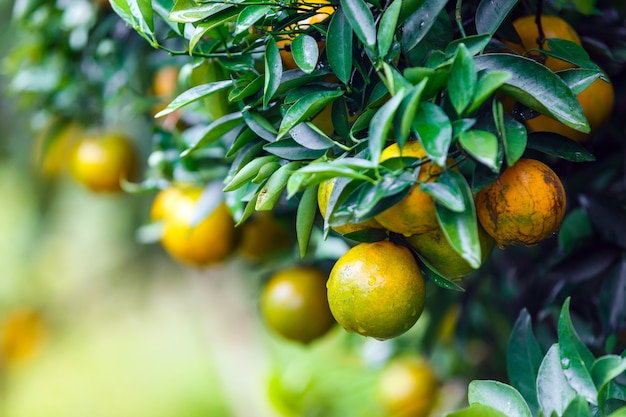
(306, 107)
(194, 94)
(273, 71)
(607, 216)
(418, 23)
(339, 46)
(215, 131)
(309, 136)
(434, 129)
(272, 190)
(307, 208)
(577, 79)
(291, 150)
(437, 278)
(248, 172)
(487, 84)
(560, 146)
(491, 13)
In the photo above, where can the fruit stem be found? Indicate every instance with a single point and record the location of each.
(542, 36)
(458, 18)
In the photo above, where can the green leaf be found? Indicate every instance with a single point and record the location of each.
(339, 46)
(259, 125)
(462, 80)
(604, 370)
(403, 120)
(499, 396)
(445, 192)
(194, 94)
(482, 146)
(307, 208)
(305, 52)
(418, 23)
(249, 16)
(618, 413)
(362, 21)
(272, 190)
(523, 360)
(291, 150)
(537, 87)
(477, 410)
(491, 13)
(273, 71)
(560, 146)
(474, 44)
(306, 107)
(437, 278)
(514, 137)
(575, 230)
(434, 129)
(248, 172)
(215, 131)
(569, 51)
(246, 90)
(188, 11)
(487, 84)
(553, 391)
(577, 79)
(577, 408)
(309, 136)
(461, 228)
(387, 27)
(381, 124)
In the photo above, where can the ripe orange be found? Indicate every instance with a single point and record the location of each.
(416, 213)
(407, 387)
(264, 235)
(376, 289)
(524, 206)
(435, 248)
(294, 304)
(323, 195)
(597, 102)
(22, 334)
(54, 145)
(210, 241)
(553, 28)
(102, 159)
(164, 202)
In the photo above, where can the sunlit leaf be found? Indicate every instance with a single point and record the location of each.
(361, 20)
(502, 397)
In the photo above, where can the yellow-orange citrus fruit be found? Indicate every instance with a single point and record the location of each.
(164, 202)
(101, 160)
(436, 249)
(294, 304)
(524, 206)
(207, 242)
(284, 45)
(54, 145)
(407, 387)
(264, 235)
(323, 195)
(416, 212)
(597, 102)
(376, 290)
(324, 120)
(553, 28)
(22, 334)
(165, 81)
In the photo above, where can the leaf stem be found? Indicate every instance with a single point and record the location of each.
(458, 18)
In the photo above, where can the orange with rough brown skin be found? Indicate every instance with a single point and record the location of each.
(376, 290)
(294, 304)
(524, 206)
(597, 102)
(553, 28)
(416, 213)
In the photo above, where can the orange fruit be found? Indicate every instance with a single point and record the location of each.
(102, 159)
(165, 81)
(164, 202)
(294, 305)
(264, 235)
(416, 213)
(323, 195)
(376, 289)
(436, 249)
(210, 241)
(597, 102)
(407, 387)
(553, 28)
(54, 145)
(524, 206)
(22, 333)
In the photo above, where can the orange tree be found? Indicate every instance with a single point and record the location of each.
(440, 73)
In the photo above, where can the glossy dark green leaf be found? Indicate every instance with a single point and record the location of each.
(369, 199)
(291, 150)
(418, 23)
(439, 280)
(248, 172)
(499, 396)
(462, 80)
(491, 13)
(194, 94)
(305, 52)
(487, 84)
(339, 46)
(403, 120)
(395, 81)
(187, 11)
(577, 408)
(569, 51)
(461, 228)
(260, 125)
(512, 133)
(523, 360)
(249, 16)
(361, 20)
(477, 410)
(445, 192)
(560, 146)
(273, 71)
(272, 190)
(578, 79)
(309, 136)
(537, 87)
(436, 79)
(482, 146)
(553, 391)
(473, 43)
(307, 208)
(575, 230)
(215, 131)
(434, 129)
(604, 370)
(305, 108)
(387, 27)
(367, 235)
(248, 89)
(380, 125)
